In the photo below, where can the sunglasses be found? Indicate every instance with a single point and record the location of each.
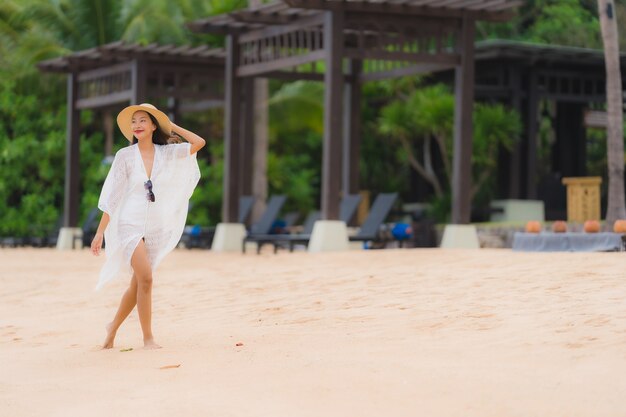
(148, 186)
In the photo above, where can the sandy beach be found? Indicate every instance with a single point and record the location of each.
(426, 332)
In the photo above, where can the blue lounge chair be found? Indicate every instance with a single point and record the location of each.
(370, 229)
(263, 227)
(347, 209)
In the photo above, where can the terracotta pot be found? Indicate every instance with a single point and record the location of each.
(559, 226)
(619, 226)
(533, 226)
(591, 226)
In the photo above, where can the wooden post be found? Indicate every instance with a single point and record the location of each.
(570, 150)
(173, 109)
(333, 112)
(532, 123)
(463, 126)
(352, 130)
(72, 155)
(138, 82)
(247, 137)
(515, 165)
(109, 130)
(232, 108)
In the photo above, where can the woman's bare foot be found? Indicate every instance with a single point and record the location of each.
(150, 344)
(108, 341)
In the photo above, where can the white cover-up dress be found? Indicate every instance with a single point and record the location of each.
(174, 176)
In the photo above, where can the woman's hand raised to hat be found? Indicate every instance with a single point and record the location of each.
(196, 141)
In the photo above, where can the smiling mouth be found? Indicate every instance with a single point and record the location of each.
(138, 131)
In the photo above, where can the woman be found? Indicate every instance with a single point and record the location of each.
(144, 201)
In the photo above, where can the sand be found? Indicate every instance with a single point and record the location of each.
(426, 332)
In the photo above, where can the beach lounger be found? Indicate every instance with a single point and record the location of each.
(370, 229)
(90, 227)
(263, 227)
(299, 238)
(195, 236)
(245, 208)
(347, 209)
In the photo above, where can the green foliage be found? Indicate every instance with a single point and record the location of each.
(32, 105)
(206, 199)
(295, 131)
(426, 116)
(563, 22)
(32, 149)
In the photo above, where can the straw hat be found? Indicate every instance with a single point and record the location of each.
(126, 115)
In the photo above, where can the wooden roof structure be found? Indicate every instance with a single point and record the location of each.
(357, 41)
(118, 52)
(524, 75)
(116, 74)
(289, 11)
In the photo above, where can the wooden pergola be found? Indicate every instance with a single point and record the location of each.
(118, 74)
(524, 75)
(356, 41)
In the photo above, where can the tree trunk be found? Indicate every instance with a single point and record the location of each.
(615, 137)
(261, 141)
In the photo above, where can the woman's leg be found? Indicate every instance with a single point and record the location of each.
(143, 272)
(129, 300)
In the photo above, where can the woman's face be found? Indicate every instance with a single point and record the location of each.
(142, 126)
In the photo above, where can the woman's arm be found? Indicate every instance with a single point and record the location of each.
(196, 141)
(96, 243)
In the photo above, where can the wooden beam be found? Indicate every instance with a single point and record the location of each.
(294, 75)
(104, 71)
(186, 94)
(420, 58)
(333, 114)
(200, 106)
(405, 71)
(278, 64)
(232, 123)
(463, 126)
(72, 155)
(271, 31)
(403, 8)
(103, 101)
(393, 23)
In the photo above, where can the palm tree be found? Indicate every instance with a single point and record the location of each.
(616, 208)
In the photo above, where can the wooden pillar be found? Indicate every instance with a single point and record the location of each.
(173, 109)
(232, 122)
(109, 129)
(532, 124)
(247, 137)
(515, 166)
(352, 130)
(72, 155)
(463, 126)
(569, 153)
(333, 112)
(138, 82)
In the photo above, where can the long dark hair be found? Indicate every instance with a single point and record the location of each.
(159, 137)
